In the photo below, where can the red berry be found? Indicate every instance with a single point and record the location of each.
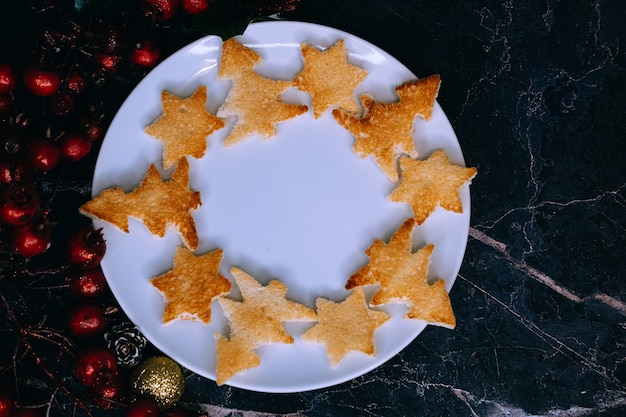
(142, 407)
(162, 9)
(108, 62)
(43, 154)
(61, 103)
(6, 172)
(195, 6)
(7, 401)
(41, 82)
(31, 239)
(93, 364)
(76, 83)
(110, 386)
(14, 171)
(113, 40)
(75, 147)
(92, 129)
(88, 284)
(146, 53)
(86, 247)
(87, 319)
(8, 79)
(18, 203)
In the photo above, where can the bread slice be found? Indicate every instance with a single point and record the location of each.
(256, 320)
(385, 131)
(157, 203)
(190, 287)
(255, 100)
(234, 355)
(184, 126)
(431, 183)
(347, 326)
(402, 277)
(329, 78)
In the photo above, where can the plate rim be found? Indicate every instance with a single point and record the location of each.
(450, 283)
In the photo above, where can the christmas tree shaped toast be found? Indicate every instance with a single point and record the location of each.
(157, 203)
(385, 131)
(402, 277)
(255, 100)
(256, 320)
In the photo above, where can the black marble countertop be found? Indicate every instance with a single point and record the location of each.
(535, 92)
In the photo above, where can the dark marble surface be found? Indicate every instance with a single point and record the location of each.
(535, 92)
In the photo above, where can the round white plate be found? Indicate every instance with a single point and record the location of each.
(301, 207)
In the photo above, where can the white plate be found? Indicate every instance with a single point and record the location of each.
(301, 208)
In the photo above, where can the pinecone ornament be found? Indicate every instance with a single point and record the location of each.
(127, 342)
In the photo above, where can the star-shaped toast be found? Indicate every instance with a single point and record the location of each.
(234, 355)
(191, 285)
(256, 320)
(430, 183)
(346, 326)
(402, 276)
(385, 131)
(255, 100)
(158, 204)
(184, 126)
(329, 78)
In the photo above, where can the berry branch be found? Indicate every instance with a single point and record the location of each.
(24, 348)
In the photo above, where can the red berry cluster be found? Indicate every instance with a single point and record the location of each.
(167, 9)
(55, 102)
(60, 85)
(86, 248)
(95, 367)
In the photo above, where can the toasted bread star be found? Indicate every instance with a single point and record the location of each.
(157, 203)
(234, 356)
(255, 100)
(184, 126)
(388, 261)
(329, 78)
(402, 276)
(431, 183)
(256, 320)
(385, 131)
(191, 274)
(237, 60)
(263, 310)
(346, 326)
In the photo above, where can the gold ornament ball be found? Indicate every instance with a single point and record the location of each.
(159, 379)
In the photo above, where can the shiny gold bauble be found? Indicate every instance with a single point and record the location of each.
(159, 379)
